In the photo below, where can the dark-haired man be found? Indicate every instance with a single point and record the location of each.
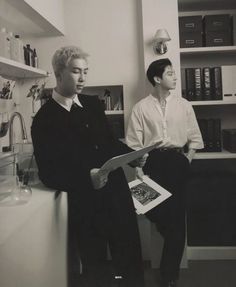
(170, 118)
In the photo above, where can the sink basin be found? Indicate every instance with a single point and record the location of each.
(13, 189)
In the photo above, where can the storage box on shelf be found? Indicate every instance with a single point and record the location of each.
(217, 30)
(207, 72)
(190, 31)
(207, 30)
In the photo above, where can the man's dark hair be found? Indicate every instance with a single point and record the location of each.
(156, 69)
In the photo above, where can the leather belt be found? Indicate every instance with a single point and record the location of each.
(166, 149)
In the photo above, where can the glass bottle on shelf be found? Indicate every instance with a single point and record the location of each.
(34, 59)
(17, 51)
(4, 44)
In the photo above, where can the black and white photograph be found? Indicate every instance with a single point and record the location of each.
(147, 194)
(144, 193)
(117, 143)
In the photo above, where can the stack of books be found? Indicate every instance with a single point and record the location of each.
(211, 134)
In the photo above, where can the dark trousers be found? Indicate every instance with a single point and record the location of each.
(169, 169)
(111, 223)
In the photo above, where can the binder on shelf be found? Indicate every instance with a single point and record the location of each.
(234, 29)
(210, 135)
(229, 140)
(216, 79)
(229, 83)
(183, 83)
(207, 89)
(217, 136)
(190, 80)
(197, 84)
(203, 128)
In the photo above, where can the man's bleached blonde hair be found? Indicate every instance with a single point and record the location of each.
(64, 55)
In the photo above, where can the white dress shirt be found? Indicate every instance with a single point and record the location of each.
(177, 126)
(65, 102)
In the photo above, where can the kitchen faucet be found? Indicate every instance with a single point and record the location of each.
(23, 131)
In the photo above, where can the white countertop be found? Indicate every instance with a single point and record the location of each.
(12, 218)
(33, 240)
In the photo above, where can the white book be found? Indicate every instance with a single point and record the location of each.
(147, 194)
(229, 83)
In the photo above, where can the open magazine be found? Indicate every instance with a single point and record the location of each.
(117, 161)
(147, 194)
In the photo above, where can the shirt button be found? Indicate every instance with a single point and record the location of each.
(87, 125)
(96, 146)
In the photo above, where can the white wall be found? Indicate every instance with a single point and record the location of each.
(110, 31)
(161, 14)
(46, 8)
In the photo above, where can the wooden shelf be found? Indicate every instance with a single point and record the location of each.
(199, 5)
(208, 50)
(119, 112)
(15, 70)
(213, 103)
(215, 155)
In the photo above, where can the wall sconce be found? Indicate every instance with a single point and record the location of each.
(160, 39)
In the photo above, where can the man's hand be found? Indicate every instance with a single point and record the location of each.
(139, 162)
(139, 174)
(167, 143)
(190, 155)
(99, 179)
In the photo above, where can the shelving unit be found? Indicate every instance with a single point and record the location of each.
(214, 170)
(15, 70)
(204, 5)
(213, 103)
(215, 155)
(208, 50)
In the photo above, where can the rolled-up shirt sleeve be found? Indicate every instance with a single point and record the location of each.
(134, 134)
(193, 132)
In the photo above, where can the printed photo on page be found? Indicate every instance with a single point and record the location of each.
(147, 194)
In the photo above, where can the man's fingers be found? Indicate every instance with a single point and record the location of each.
(139, 173)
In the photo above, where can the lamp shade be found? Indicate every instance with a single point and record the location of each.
(161, 36)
